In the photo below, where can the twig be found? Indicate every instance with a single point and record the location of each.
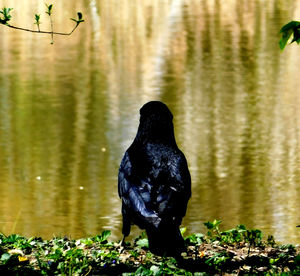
(39, 31)
(51, 24)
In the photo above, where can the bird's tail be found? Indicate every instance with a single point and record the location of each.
(166, 241)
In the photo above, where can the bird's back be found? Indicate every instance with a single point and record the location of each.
(163, 178)
(155, 186)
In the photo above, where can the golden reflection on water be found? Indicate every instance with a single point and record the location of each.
(68, 111)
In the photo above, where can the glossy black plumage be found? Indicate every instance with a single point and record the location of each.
(154, 181)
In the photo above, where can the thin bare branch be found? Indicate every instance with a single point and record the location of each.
(39, 31)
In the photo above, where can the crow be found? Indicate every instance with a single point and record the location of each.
(154, 182)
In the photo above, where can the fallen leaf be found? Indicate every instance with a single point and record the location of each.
(22, 258)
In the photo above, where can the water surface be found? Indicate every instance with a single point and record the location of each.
(68, 111)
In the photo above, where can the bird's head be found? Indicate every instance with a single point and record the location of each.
(156, 109)
(156, 123)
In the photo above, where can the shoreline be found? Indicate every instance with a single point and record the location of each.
(233, 252)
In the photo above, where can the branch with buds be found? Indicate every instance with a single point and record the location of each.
(5, 17)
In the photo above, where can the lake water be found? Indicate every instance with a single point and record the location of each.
(68, 111)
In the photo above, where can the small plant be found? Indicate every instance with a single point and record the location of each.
(235, 235)
(102, 238)
(253, 237)
(142, 241)
(240, 234)
(37, 21)
(213, 228)
(5, 17)
(218, 260)
(49, 12)
(195, 239)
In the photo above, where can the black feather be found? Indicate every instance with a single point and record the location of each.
(154, 181)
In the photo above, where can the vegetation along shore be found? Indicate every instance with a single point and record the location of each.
(235, 251)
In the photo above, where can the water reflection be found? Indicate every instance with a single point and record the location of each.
(69, 110)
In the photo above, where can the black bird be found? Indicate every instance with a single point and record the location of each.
(154, 182)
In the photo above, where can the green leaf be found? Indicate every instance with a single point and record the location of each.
(5, 15)
(154, 269)
(87, 241)
(287, 30)
(182, 230)
(49, 9)
(103, 236)
(79, 20)
(208, 225)
(216, 222)
(289, 26)
(241, 227)
(5, 257)
(143, 271)
(212, 225)
(273, 261)
(195, 238)
(12, 238)
(284, 39)
(37, 19)
(143, 243)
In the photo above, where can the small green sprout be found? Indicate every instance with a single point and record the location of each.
(213, 227)
(79, 20)
(5, 16)
(49, 9)
(49, 12)
(37, 20)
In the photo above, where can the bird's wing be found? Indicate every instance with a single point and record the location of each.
(175, 189)
(133, 195)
